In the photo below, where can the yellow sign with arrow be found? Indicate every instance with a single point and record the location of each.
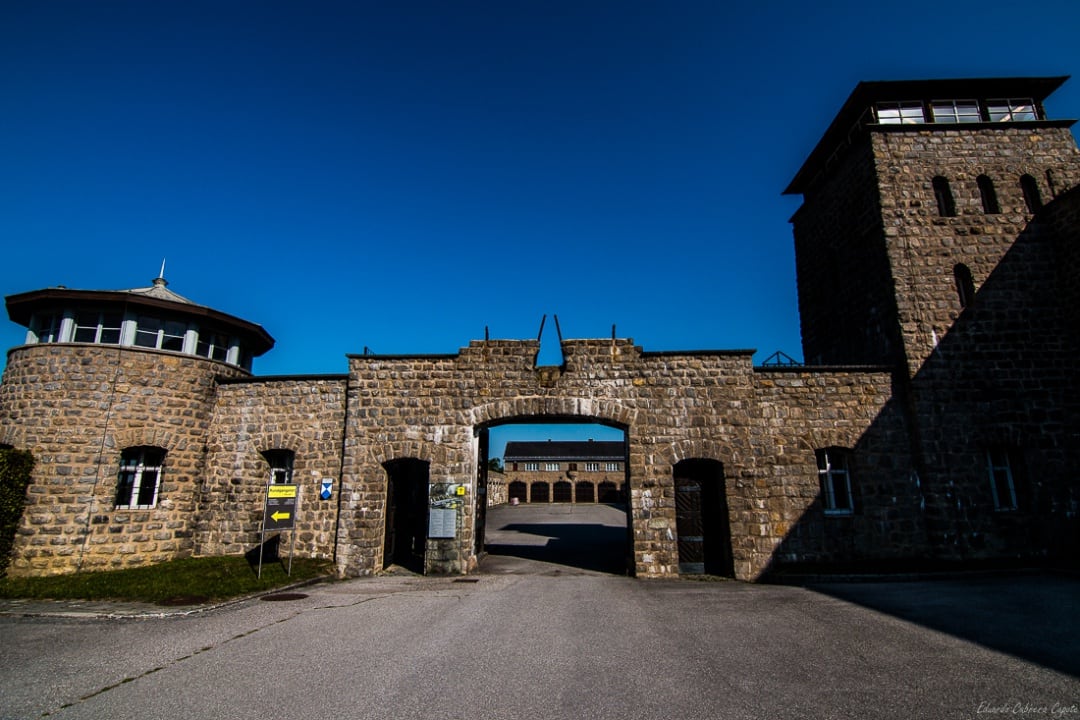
(280, 510)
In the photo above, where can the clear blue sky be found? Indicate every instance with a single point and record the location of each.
(400, 175)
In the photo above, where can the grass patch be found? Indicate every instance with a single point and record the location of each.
(175, 582)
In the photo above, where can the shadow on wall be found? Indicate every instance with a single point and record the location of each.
(994, 413)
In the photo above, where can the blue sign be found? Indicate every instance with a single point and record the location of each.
(327, 489)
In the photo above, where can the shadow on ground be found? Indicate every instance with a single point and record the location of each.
(1032, 616)
(592, 538)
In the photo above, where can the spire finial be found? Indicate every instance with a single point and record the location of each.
(160, 279)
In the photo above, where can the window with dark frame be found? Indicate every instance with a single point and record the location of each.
(139, 478)
(1011, 109)
(1001, 466)
(900, 113)
(47, 327)
(835, 480)
(98, 327)
(955, 111)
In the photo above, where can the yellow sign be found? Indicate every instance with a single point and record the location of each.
(461, 490)
(281, 491)
(279, 516)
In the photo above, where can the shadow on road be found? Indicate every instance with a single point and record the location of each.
(592, 538)
(1030, 616)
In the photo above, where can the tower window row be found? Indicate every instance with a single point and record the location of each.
(104, 327)
(946, 203)
(951, 112)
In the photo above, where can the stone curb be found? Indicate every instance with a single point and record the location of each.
(132, 611)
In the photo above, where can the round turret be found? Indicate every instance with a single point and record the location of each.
(113, 393)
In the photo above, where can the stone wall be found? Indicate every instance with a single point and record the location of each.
(923, 246)
(302, 414)
(996, 374)
(806, 409)
(673, 406)
(76, 407)
(846, 307)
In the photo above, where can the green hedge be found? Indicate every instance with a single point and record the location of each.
(15, 467)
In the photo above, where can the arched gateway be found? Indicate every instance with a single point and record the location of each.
(437, 409)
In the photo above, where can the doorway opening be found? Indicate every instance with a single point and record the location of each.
(553, 493)
(405, 540)
(701, 518)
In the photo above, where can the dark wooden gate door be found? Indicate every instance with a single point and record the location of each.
(701, 518)
(689, 525)
(564, 492)
(405, 540)
(481, 498)
(390, 533)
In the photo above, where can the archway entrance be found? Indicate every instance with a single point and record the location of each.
(405, 540)
(552, 491)
(701, 518)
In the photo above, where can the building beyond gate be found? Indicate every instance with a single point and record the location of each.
(936, 419)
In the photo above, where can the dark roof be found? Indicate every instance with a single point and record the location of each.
(867, 93)
(518, 451)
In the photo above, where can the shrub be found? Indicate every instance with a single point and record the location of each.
(15, 467)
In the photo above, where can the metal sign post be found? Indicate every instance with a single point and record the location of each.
(279, 513)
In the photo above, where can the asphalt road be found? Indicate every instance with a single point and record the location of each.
(540, 640)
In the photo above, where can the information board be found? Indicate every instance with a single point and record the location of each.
(442, 523)
(280, 510)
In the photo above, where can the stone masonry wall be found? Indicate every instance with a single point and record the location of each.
(997, 374)
(846, 308)
(674, 406)
(806, 409)
(76, 407)
(303, 414)
(923, 246)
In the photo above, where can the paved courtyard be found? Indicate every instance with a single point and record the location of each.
(530, 638)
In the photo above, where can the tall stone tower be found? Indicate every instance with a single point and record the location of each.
(933, 239)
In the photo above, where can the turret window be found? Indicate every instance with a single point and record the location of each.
(213, 345)
(151, 332)
(955, 111)
(1011, 109)
(46, 328)
(95, 327)
(952, 112)
(900, 113)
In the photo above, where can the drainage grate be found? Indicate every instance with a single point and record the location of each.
(468, 580)
(283, 596)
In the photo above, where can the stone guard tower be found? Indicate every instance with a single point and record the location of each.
(938, 226)
(113, 393)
